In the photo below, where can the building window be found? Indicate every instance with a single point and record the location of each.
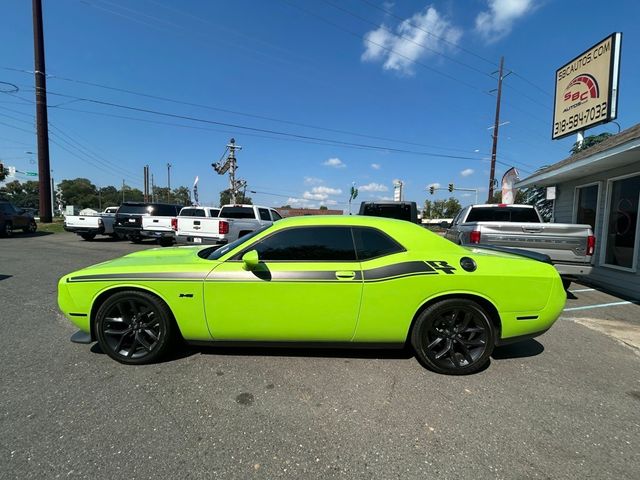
(587, 205)
(622, 225)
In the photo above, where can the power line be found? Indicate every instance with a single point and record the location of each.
(244, 114)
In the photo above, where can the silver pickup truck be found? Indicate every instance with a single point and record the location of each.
(570, 246)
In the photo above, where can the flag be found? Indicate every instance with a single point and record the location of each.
(509, 192)
(195, 191)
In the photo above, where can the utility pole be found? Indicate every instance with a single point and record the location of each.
(168, 182)
(496, 126)
(233, 165)
(153, 190)
(145, 183)
(123, 190)
(45, 203)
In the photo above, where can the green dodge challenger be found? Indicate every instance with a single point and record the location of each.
(334, 280)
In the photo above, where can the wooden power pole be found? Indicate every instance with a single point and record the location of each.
(496, 125)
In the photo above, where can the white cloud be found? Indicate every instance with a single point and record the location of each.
(335, 163)
(300, 203)
(373, 187)
(415, 38)
(467, 171)
(326, 190)
(434, 185)
(376, 166)
(312, 180)
(314, 196)
(498, 20)
(330, 202)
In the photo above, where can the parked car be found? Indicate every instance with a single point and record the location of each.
(88, 226)
(399, 210)
(347, 280)
(570, 246)
(232, 222)
(129, 218)
(13, 218)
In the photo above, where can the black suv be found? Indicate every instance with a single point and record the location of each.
(13, 218)
(129, 217)
(400, 210)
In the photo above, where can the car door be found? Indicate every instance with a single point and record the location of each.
(307, 287)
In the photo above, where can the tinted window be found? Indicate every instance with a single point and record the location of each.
(199, 212)
(214, 253)
(187, 212)
(503, 214)
(164, 210)
(275, 215)
(401, 211)
(237, 212)
(213, 212)
(308, 244)
(135, 209)
(372, 243)
(587, 205)
(264, 214)
(6, 208)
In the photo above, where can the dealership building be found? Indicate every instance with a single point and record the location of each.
(600, 186)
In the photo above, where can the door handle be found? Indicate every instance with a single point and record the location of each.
(345, 275)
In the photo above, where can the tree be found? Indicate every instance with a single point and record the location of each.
(79, 192)
(181, 196)
(225, 198)
(441, 208)
(21, 194)
(286, 207)
(323, 207)
(3, 172)
(109, 197)
(589, 142)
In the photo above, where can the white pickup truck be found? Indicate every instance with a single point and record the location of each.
(201, 225)
(88, 226)
(569, 246)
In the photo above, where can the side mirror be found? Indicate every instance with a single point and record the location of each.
(251, 260)
(445, 225)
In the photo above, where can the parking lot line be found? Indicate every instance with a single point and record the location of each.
(582, 290)
(600, 305)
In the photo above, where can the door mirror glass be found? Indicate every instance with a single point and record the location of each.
(251, 260)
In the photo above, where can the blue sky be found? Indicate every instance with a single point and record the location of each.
(418, 110)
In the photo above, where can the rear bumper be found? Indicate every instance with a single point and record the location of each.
(193, 240)
(133, 231)
(573, 270)
(81, 230)
(156, 234)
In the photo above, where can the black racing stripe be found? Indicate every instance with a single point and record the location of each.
(399, 269)
(162, 276)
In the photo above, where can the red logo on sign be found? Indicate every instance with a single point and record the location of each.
(581, 88)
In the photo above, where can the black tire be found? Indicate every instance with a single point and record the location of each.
(165, 241)
(464, 328)
(88, 236)
(31, 228)
(566, 283)
(6, 230)
(136, 239)
(134, 327)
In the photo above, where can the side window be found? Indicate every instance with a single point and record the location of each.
(457, 218)
(276, 216)
(264, 214)
(214, 212)
(308, 244)
(372, 243)
(186, 212)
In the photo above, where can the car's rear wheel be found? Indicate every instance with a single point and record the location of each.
(6, 230)
(134, 327)
(88, 236)
(453, 336)
(165, 241)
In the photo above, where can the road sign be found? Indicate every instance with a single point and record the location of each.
(31, 174)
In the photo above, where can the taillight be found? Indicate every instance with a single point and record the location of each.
(474, 237)
(223, 227)
(591, 244)
(174, 224)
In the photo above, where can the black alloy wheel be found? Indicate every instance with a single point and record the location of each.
(6, 230)
(88, 236)
(134, 327)
(454, 337)
(33, 226)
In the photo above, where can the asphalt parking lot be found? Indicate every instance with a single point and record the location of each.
(564, 405)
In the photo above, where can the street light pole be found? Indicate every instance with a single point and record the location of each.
(168, 183)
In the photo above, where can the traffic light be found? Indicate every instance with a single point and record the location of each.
(451, 187)
(432, 189)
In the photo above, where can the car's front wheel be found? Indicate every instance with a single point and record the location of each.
(134, 327)
(31, 228)
(88, 236)
(7, 230)
(453, 336)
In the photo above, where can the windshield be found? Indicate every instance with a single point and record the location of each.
(215, 253)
